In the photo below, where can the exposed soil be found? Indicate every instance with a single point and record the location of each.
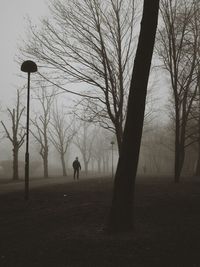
(62, 225)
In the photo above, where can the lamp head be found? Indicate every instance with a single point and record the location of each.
(28, 66)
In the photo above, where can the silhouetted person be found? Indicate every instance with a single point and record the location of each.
(77, 166)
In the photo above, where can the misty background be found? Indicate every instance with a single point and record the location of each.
(86, 139)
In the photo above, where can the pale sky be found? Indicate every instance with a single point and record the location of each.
(13, 15)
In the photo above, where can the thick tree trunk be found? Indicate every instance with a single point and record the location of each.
(15, 164)
(86, 167)
(179, 160)
(121, 214)
(197, 171)
(119, 136)
(45, 164)
(177, 167)
(63, 165)
(177, 171)
(179, 146)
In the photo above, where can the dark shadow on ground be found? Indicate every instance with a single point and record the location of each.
(62, 225)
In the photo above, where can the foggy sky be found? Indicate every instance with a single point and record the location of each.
(13, 15)
(13, 26)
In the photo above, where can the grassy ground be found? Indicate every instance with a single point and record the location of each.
(61, 226)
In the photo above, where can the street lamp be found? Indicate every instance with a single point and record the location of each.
(29, 67)
(112, 144)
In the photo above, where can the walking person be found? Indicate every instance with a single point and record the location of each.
(76, 166)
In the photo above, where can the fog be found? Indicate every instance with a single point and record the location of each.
(91, 142)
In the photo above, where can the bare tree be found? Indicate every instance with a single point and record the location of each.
(121, 214)
(17, 133)
(89, 41)
(194, 122)
(157, 149)
(61, 133)
(101, 149)
(193, 131)
(41, 123)
(84, 139)
(178, 44)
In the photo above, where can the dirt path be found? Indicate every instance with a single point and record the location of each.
(7, 187)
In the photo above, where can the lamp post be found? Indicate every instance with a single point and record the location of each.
(29, 67)
(112, 144)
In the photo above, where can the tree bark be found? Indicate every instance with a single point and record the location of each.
(197, 171)
(179, 160)
(63, 165)
(177, 170)
(121, 214)
(15, 164)
(180, 137)
(45, 163)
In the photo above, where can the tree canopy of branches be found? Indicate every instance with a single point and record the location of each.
(101, 149)
(17, 133)
(178, 41)
(89, 41)
(61, 134)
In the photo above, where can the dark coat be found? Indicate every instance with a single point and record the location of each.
(76, 165)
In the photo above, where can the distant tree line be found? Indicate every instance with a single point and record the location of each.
(51, 125)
